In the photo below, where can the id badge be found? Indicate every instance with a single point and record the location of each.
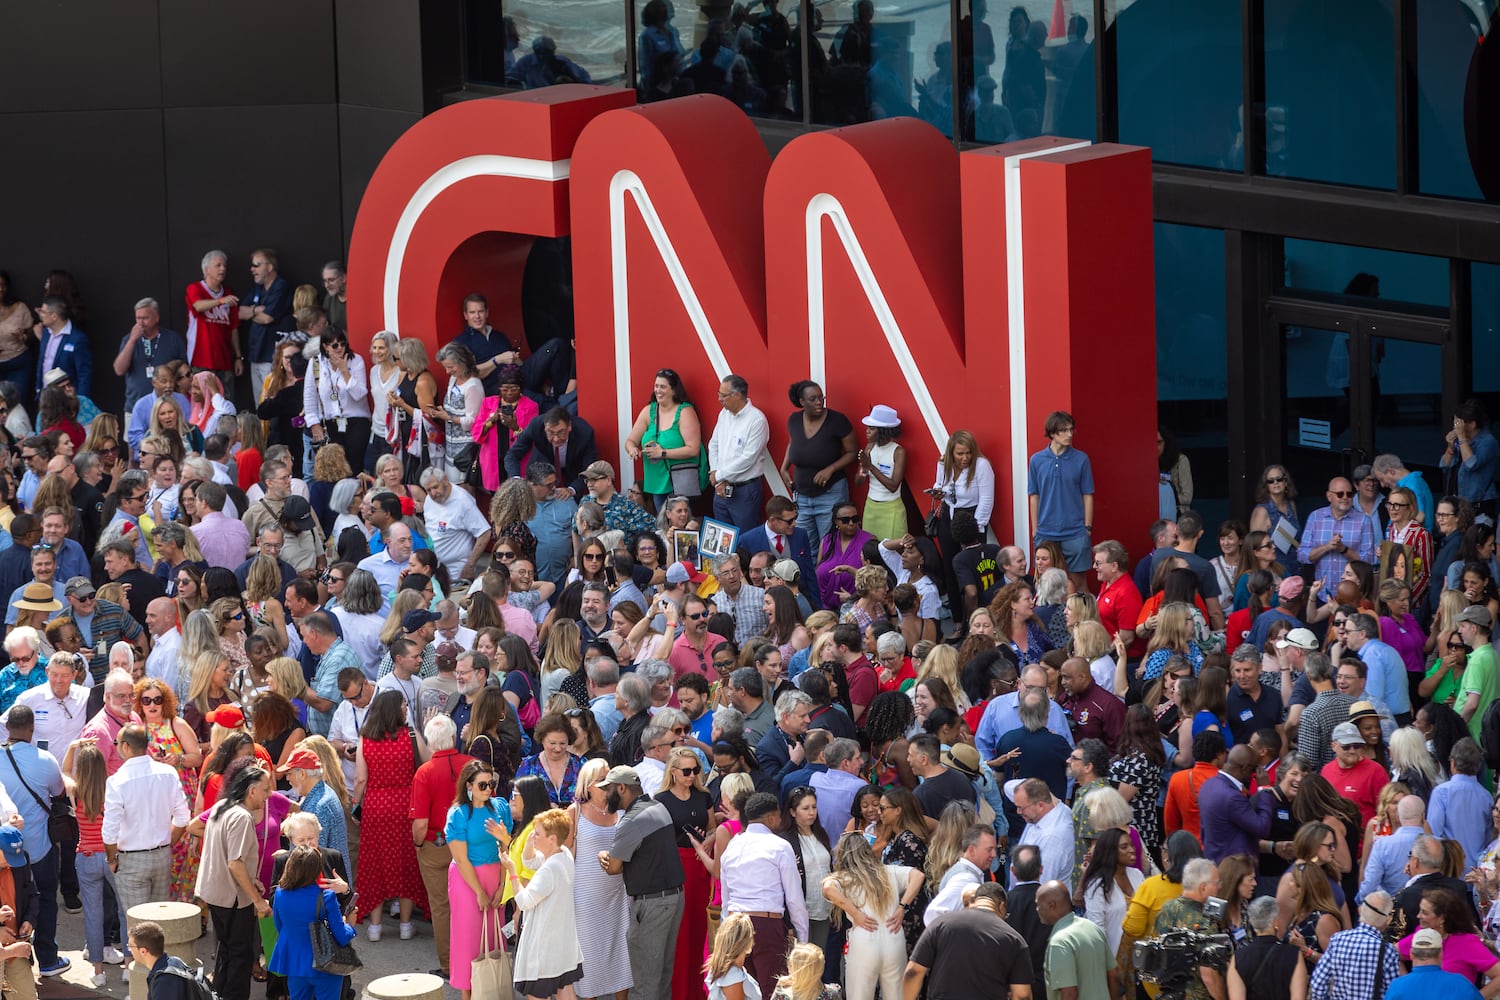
(150, 372)
(343, 425)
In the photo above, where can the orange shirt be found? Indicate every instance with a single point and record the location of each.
(1181, 809)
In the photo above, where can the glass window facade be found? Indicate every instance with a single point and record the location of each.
(1337, 269)
(1447, 43)
(1331, 91)
(1484, 361)
(1180, 88)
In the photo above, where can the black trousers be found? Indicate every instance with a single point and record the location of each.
(236, 934)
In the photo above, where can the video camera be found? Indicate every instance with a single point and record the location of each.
(1171, 961)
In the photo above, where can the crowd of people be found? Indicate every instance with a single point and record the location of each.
(680, 735)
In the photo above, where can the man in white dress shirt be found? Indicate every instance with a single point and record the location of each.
(59, 706)
(386, 565)
(970, 869)
(760, 879)
(1049, 825)
(656, 743)
(166, 641)
(450, 629)
(145, 813)
(734, 455)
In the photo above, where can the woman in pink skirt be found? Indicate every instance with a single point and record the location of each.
(478, 830)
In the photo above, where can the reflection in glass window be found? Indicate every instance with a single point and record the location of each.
(1191, 356)
(538, 43)
(1331, 91)
(1337, 269)
(1179, 81)
(716, 47)
(882, 59)
(1484, 365)
(1027, 70)
(1447, 41)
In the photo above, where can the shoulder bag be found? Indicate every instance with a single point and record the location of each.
(328, 955)
(490, 971)
(62, 824)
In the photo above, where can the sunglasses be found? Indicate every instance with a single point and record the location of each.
(847, 520)
(593, 556)
(699, 616)
(695, 770)
(511, 555)
(483, 786)
(1276, 479)
(153, 699)
(1341, 494)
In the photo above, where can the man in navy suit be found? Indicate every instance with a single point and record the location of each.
(63, 346)
(564, 441)
(780, 536)
(1232, 822)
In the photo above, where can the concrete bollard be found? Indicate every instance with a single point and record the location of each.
(181, 924)
(407, 986)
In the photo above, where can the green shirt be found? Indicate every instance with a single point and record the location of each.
(1447, 687)
(1479, 678)
(1078, 955)
(1084, 833)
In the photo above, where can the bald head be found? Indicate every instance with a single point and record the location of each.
(398, 541)
(1411, 810)
(1053, 902)
(1240, 764)
(161, 616)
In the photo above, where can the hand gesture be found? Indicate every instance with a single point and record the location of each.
(497, 830)
(865, 922)
(796, 753)
(338, 885)
(893, 922)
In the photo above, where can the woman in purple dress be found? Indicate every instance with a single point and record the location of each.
(840, 555)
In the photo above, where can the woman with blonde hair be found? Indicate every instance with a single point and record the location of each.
(172, 428)
(404, 601)
(1079, 607)
(692, 810)
(208, 688)
(1412, 764)
(89, 774)
(1174, 637)
(734, 789)
(286, 679)
(564, 656)
(262, 587)
(389, 475)
(942, 663)
(385, 378)
(414, 401)
(804, 976)
(228, 615)
(1091, 642)
(603, 937)
(872, 594)
(873, 896)
(1448, 655)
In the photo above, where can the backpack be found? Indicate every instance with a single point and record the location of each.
(197, 986)
(1489, 735)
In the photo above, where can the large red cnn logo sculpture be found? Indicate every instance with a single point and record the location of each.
(977, 290)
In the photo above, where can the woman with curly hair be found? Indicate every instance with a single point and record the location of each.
(888, 720)
(262, 588)
(1014, 614)
(514, 504)
(872, 593)
(330, 464)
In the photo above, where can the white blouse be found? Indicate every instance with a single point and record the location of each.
(1109, 915)
(378, 389)
(962, 492)
(329, 395)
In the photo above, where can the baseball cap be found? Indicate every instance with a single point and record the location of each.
(1291, 588)
(1011, 786)
(786, 570)
(621, 775)
(303, 758)
(296, 513)
(1427, 939)
(228, 716)
(1346, 734)
(1477, 614)
(79, 586)
(13, 846)
(416, 618)
(1302, 638)
(683, 572)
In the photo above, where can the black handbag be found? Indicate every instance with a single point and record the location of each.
(62, 824)
(328, 955)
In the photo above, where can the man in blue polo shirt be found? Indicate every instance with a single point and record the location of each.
(268, 311)
(1060, 488)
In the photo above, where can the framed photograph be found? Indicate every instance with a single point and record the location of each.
(718, 539)
(1395, 564)
(687, 546)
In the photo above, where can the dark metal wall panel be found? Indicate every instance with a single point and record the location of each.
(365, 134)
(379, 54)
(108, 231)
(288, 199)
(266, 53)
(74, 55)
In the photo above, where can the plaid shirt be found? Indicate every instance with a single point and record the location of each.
(746, 609)
(109, 625)
(1347, 969)
(1315, 731)
(1358, 533)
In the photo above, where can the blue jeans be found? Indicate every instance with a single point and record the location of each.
(44, 942)
(815, 514)
(743, 509)
(93, 876)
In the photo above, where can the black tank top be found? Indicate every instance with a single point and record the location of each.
(1274, 981)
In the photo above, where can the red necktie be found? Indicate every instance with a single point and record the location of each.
(780, 548)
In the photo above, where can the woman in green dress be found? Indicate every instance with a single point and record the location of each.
(669, 439)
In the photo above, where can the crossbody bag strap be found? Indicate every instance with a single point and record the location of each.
(45, 807)
(1379, 971)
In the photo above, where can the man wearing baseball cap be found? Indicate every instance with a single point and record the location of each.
(1289, 596)
(1427, 977)
(1477, 689)
(1353, 775)
(419, 627)
(304, 772)
(645, 852)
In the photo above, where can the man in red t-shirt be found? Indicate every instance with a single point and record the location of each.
(1119, 600)
(213, 333)
(1353, 775)
(864, 681)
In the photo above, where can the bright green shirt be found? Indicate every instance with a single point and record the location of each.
(1479, 677)
(1078, 955)
(1447, 687)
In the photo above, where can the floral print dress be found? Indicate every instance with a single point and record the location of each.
(164, 742)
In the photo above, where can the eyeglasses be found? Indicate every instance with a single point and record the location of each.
(1396, 504)
(887, 807)
(1341, 494)
(102, 451)
(1446, 513)
(153, 699)
(1265, 545)
(1340, 622)
(1276, 479)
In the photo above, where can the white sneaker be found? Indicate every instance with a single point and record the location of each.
(372, 931)
(98, 980)
(395, 907)
(408, 932)
(113, 955)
